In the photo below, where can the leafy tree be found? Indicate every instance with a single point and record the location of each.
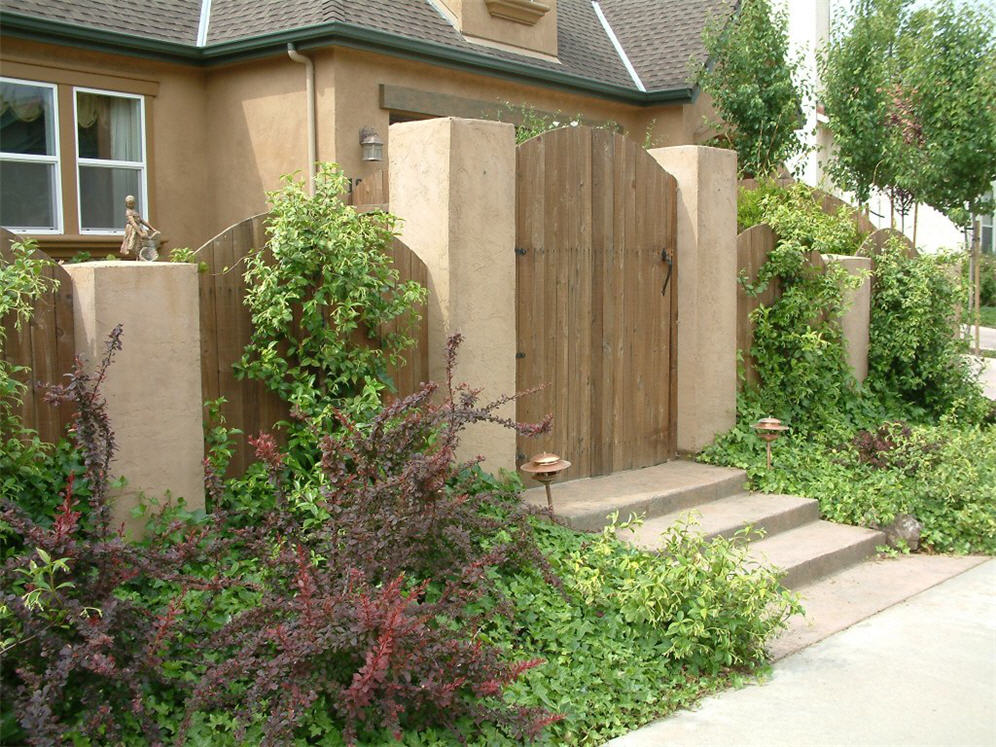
(856, 73)
(948, 58)
(908, 94)
(752, 82)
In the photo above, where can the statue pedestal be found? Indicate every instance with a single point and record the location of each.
(153, 387)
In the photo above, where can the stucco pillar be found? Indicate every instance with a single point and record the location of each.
(153, 386)
(707, 290)
(453, 185)
(857, 312)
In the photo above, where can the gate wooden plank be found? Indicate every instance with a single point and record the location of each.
(583, 209)
(601, 295)
(671, 241)
(45, 346)
(44, 364)
(227, 310)
(208, 322)
(556, 296)
(530, 323)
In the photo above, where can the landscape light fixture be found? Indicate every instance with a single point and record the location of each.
(372, 145)
(544, 468)
(769, 429)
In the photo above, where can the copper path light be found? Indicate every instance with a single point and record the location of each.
(544, 468)
(769, 429)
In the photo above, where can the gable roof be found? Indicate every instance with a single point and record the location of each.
(661, 38)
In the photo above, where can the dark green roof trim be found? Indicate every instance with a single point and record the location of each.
(335, 33)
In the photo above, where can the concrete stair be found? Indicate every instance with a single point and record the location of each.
(831, 566)
(787, 530)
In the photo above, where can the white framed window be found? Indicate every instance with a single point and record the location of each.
(110, 157)
(30, 180)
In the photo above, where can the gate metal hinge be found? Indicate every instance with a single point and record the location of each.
(519, 356)
(521, 252)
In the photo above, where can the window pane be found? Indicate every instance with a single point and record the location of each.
(102, 196)
(109, 127)
(27, 195)
(27, 124)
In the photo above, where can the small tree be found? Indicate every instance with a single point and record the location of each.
(753, 85)
(908, 95)
(856, 74)
(948, 57)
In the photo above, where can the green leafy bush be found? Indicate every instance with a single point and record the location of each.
(795, 214)
(798, 343)
(846, 447)
(322, 295)
(915, 357)
(633, 635)
(987, 279)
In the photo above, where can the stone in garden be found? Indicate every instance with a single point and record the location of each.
(904, 528)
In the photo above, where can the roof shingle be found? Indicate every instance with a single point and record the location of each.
(662, 38)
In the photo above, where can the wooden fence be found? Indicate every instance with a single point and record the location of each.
(46, 347)
(753, 247)
(226, 329)
(875, 242)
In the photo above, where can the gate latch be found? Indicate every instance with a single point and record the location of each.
(666, 257)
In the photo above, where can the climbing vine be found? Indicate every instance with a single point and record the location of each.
(329, 313)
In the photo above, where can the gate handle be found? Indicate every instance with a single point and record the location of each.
(666, 257)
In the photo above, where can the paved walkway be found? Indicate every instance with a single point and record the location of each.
(920, 673)
(987, 336)
(987, 341)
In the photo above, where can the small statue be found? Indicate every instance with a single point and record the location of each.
(140, 238)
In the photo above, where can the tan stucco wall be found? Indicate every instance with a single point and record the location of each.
(153, 386)
(453, 184)
(358, 76)
(220, 138)
(857, 314)
(176, 126)
(707, 290)
(258, 133)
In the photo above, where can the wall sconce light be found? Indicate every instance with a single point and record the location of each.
(372, 145)
(544, 468)
(769, 429)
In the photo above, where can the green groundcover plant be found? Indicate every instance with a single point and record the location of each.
(379, 593)
(917, 437)
(392, 596)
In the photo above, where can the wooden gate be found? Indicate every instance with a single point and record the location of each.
(596, 301)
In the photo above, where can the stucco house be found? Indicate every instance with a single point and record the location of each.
(197, 107)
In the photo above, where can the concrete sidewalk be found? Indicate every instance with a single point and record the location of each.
(920, 673)
(987, 336)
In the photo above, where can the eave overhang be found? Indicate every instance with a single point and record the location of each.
(334, 34)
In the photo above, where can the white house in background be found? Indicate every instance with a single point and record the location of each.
(809, 27)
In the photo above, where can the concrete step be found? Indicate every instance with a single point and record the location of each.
(768, 514)
(816, 550)
(837, 602)
(666, 488)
